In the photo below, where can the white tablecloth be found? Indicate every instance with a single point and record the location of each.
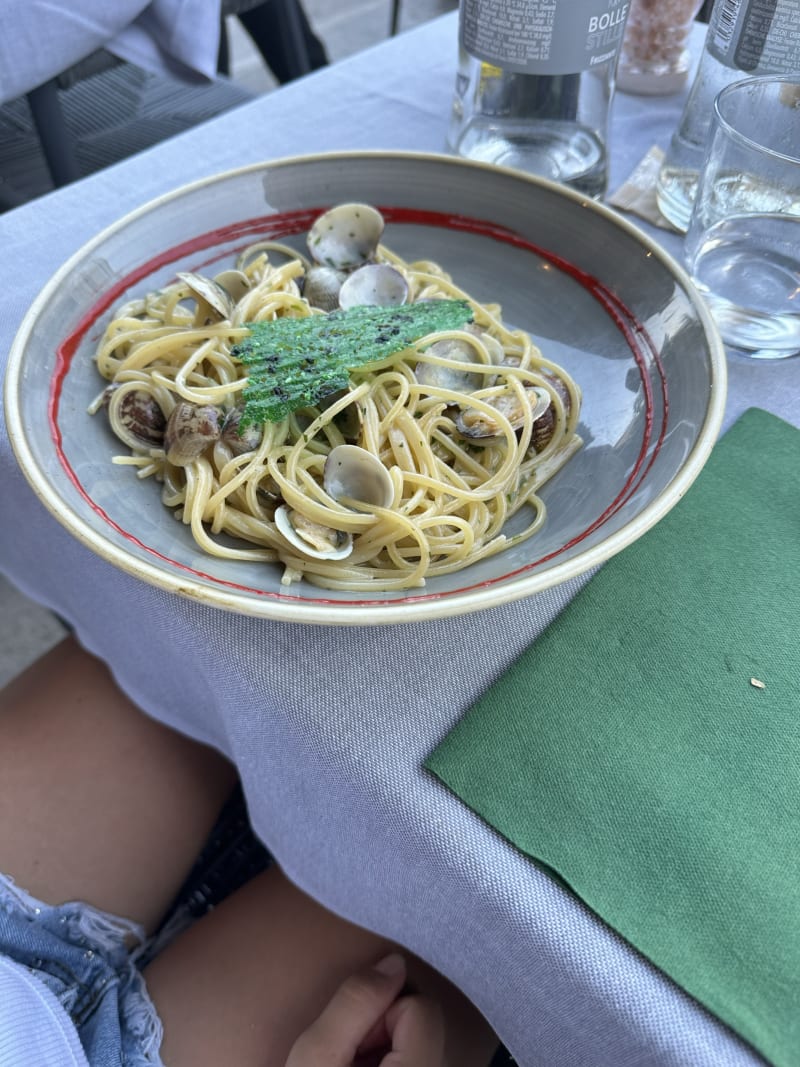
(41, 38)
(328, 737)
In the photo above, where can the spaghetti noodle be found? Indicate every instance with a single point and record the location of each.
(466, 424)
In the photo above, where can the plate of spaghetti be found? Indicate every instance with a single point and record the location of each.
(364, 388)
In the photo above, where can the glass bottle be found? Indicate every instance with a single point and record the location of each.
(535, 84)
(745, 38)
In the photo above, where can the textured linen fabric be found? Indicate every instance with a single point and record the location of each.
(629, 750)
(41, 38)
(178, 37)
(35, 1031)
(330, 727)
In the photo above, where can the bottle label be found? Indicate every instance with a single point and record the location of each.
(756, 36)
(545, 36)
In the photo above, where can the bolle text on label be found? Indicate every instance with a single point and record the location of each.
(606, 28)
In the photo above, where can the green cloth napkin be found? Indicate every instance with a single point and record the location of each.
(647, 747)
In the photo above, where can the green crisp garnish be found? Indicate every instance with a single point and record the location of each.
(296, 363)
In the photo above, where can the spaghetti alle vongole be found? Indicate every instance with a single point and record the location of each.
(392, 462)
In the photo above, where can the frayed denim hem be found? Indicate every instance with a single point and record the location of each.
(89, 959)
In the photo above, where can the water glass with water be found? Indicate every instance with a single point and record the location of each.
(743, 243)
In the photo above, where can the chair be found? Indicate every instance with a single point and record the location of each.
(282, 34)
(48, 118)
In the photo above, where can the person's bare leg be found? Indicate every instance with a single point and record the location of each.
(98, 802)
(243, 982)
(102, 804)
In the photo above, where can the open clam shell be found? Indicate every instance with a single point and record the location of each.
(353, 473)
(481, 428)
(234, 282)
(544, 427)
(135, 416)
(346, 236)
(190, 429)
(440, 376)
(321, 287)
(376, 284)
(209, 291)
(239, 440)
(312, 538)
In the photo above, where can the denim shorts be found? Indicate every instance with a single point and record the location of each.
(88, 959)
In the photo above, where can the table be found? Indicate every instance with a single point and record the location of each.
(330, 759)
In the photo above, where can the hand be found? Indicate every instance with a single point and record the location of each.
(366, 1025)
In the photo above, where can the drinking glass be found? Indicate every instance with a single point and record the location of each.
(743, 243)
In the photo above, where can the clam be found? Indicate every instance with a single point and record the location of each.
(350, 473)
(240, 441)
(209, 291)
(438, 376)
(135, 417)
(346, 236)
(321, 287)
(544, 428)
(481, 428)
(348, 420)
(312, 538)
(190, 429)
(353, 473)
(234, 282)
(496, 351)
(376, 284)
(268, 491)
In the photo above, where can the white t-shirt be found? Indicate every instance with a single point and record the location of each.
(35, 1031)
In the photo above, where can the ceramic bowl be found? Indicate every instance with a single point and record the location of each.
(597, 295)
